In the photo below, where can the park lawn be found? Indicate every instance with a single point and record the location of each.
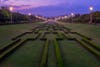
(92, 31)
(75, 55)
(9, 31)
(28, 55)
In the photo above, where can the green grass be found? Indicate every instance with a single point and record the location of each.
(92, 31)
(58, 54)
(28, 55)
(51, 56)
(9, 31)
(76, 56)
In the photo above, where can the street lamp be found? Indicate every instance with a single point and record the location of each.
(72, 15)
(11, 9)
(91, 18)
(29, 14)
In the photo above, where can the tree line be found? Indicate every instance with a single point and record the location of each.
(5, 17)
(85, 18)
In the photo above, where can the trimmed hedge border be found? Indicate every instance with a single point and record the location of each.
(89, 48)
(68, 36)
(60, 62)
(83, 36)
(5, 47)
(60, 36)
(42, 36)
(91, 44)
(36, 31)
(11, 49)
(36, 36)
(21, 35)
(44, 55)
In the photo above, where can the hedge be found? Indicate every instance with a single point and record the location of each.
(68, 36)
(19, 36)
(6, 53)
(58, 54)
(5, 47)
(83, 36)
(44, 55)
(42, 36)
(91, 44)
(36, 36)
(89, 48)
(60, 36)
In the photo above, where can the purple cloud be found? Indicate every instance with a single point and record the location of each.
(52, 7)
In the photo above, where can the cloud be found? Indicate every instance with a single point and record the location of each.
(26, 4)
(52, 7)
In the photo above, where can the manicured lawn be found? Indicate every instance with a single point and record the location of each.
(28, 55)
(92, 31)
(75, 55)
(55, 52)
(9, 31)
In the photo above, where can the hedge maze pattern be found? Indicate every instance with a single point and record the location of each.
(49, 33)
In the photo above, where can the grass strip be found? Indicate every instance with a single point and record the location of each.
(89, 48)
(44, 55)
(58, 54)
(91, 44)
(5, 53)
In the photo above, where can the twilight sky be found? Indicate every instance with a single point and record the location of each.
(52, 7)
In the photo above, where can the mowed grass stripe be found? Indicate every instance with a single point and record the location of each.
(58, 54)
(52, 61)
(91, 49)
(44, 55)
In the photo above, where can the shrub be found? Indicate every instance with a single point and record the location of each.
(83, 36)
(44, 55)
(91, 44)
(89, 48)
(58, 54)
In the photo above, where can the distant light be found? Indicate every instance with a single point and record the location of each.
(29, 14)
(11, 8)
(72, 14)
(65, 16)
(91, 8)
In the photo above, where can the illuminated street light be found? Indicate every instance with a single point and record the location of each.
(11, 9)
(91, 8)
(65, 17)
(29, 14)
(72, 15)
(91, 18)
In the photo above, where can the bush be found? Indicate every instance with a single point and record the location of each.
(11, 49)
(68, 36)
(83, 36)
(89, 48)
(91, 44)
(44, 54)
(58, 54)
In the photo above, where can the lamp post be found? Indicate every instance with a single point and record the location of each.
(72, 15)
(91, 17)
(29, 14)
(11, 9)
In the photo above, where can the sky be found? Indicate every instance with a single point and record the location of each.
(52, 7)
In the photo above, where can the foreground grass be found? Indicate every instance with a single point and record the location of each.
(9, 31)
(76, 56)
(92, 31)
(28, 55)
